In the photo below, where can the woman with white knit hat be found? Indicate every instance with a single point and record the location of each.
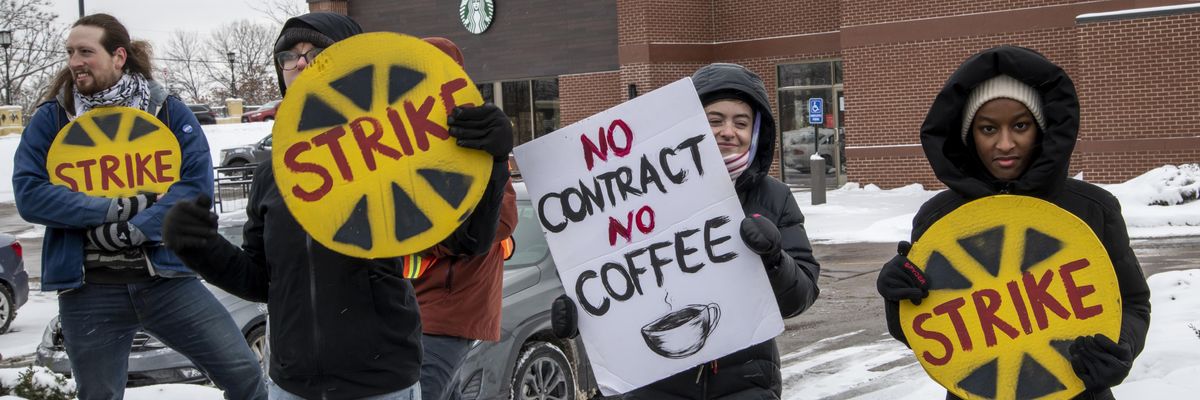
(1006, 122)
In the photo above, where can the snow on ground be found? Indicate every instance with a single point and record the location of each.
(26, 330)
(886, 370)
(1160, 203)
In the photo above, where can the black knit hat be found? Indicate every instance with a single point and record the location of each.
(322, 29)
(297, 34)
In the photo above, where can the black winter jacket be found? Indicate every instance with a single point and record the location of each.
(957, 165)
(341, 327)
(751, 373)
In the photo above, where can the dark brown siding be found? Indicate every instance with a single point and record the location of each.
(527, 38)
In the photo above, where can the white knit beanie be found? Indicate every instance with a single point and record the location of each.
(1002, 87)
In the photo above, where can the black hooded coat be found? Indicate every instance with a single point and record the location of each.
(958, 166)
(753, 372)
(340, 327)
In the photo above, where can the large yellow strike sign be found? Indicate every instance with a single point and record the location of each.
(114, 152)
(1013, 281)
(362, 153)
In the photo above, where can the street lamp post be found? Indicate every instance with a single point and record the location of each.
(5, 42)
(232, 76)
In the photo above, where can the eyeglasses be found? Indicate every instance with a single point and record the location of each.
(287, 59)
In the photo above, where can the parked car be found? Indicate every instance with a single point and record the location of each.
(264, 113)
(528, 362)
(150, 361)
(798, 147)
(14, 280)
(205, 115)
(241, 156)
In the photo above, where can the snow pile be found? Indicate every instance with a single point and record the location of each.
(1163, 186)
(1170, 363)
(854, 213)
(42, 377)
(1161, 202)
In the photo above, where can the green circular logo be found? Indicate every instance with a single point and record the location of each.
(476, 15)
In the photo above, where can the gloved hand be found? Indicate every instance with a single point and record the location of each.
(763, 238)
(189, 225)
(564, 319)
(484, 128)
(124, 208)
(113, 236)
(900, 279)
(1099, 362)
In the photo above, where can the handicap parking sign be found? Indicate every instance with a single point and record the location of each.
(816, 111)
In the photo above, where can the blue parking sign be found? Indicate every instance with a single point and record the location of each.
(816, 111)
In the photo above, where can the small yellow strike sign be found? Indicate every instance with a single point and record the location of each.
(1013, 281)
(362, 155)
(114, 152)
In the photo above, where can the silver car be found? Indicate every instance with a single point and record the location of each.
(14, 280)
(528, 362)
(150, 361)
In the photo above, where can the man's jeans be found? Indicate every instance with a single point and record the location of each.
(443, 355)
(99, 322)
(411, 393)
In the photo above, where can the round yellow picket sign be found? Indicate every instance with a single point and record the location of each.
(1013, 281)
(114, 152)
(362, 155)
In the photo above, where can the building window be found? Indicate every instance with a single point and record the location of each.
(531, 105)
(797, 84)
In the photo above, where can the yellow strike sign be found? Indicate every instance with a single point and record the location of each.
(114, 152)
(1013, 281)
(362, 153)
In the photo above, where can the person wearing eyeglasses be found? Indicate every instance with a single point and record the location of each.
(340, 327)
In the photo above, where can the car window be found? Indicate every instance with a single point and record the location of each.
(530, 242)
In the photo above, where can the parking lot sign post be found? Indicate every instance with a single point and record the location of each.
(816, 118)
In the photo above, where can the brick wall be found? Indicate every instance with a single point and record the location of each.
(889, 87)
(1140, 78)
(1111, 167)
(334, 6)
(664, 21)
(863, 12)
(585, 94)
(740, 20)
(882, 171)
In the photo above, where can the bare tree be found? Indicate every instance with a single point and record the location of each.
(36, 52)
(279, 10)
(183, 67)
(252, 46)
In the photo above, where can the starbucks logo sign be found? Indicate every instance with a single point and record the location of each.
(476, 15)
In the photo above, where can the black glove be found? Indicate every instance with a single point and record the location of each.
(1099, 362)
(189, 225)
(483, 128)
(115, 236)
(124, 208)
(900, 279)
(763, 238)
(564, 319)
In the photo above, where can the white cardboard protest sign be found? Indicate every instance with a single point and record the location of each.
(642, 221)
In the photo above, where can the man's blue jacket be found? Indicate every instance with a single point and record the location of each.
(67, 214)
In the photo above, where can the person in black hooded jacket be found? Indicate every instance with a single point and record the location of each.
(1006, 122)
(340, 327)
(739, 114)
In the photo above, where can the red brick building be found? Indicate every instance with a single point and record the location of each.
(877, 64)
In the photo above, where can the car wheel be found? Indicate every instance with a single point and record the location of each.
(269, 119)
(543, 373)
(257, 339)
(8, 311)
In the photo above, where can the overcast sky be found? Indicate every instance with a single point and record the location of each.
(155, 20)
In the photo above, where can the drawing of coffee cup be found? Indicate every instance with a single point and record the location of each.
(682, 332)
